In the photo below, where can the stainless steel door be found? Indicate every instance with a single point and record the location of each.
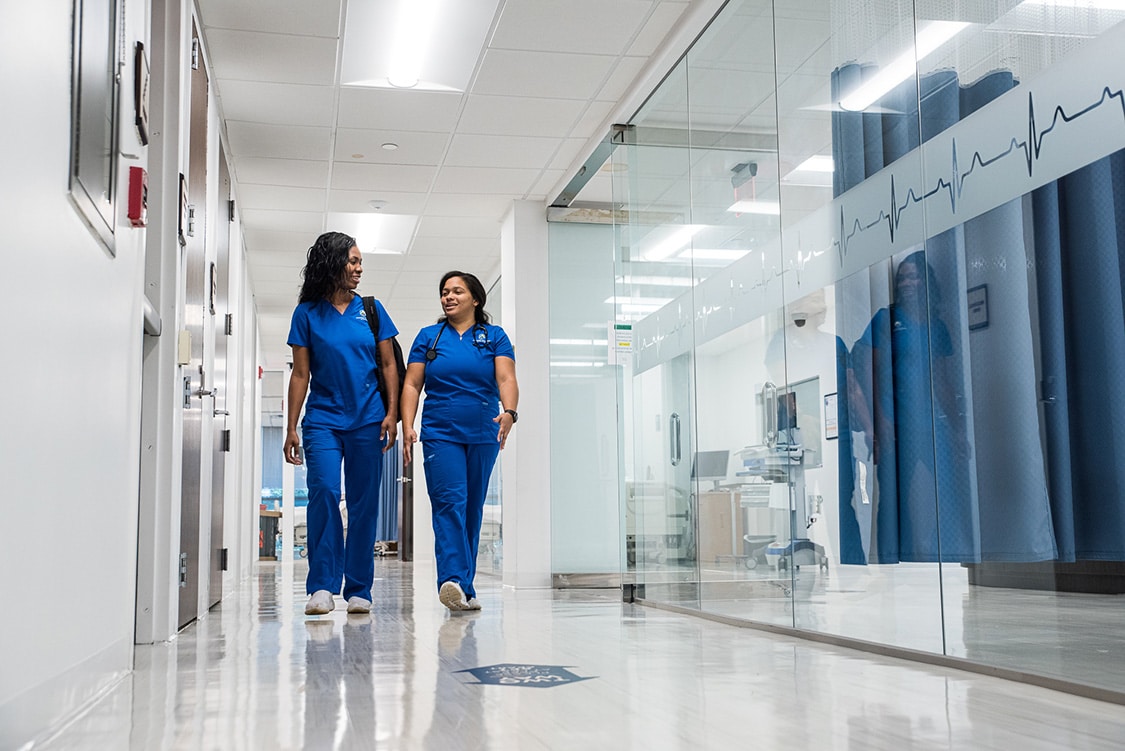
(196, 390)
(222, 324)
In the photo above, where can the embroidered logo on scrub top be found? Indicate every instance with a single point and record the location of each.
(481, 337)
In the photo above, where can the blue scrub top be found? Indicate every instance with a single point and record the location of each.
(343, 388)
(462, 397)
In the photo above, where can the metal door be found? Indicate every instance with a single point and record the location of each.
(196, 391)
(222, 323)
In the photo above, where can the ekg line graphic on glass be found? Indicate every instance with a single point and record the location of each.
(1031, 147)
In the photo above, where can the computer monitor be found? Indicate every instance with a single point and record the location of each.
(787, 410)
(710, 466)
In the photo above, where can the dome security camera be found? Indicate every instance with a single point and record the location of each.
(799, 318)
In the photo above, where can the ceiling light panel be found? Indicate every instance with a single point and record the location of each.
(454, 33)
(376, 232)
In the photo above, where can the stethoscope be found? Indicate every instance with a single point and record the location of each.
(479, 339)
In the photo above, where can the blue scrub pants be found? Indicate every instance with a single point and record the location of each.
(330, 559)
(457, 478)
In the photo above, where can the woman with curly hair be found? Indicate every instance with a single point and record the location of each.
(335, 366)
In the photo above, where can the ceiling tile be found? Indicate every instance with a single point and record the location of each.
(277, 103)
(276, 246)
(413, 147)
(309, 222)
(425, 111)
(662, 20)
(567, 153)
(457, 227)
(360, 200)
(622, 78)
(459, 204)
(548, 181)
(505, 182)
(519, 116)
(281, 141)
(252, 56)
(377, 177)
(562, 75)
(585, 26)
(508, 152)
(438, 246)
(279, 197)
(321, 18)
(297, 173)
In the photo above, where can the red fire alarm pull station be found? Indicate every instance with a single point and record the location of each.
(138, 196)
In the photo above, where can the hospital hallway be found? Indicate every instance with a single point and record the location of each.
(544, 669)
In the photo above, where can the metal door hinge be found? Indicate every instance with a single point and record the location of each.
(228, 325)
(183, 569)
(195, 53)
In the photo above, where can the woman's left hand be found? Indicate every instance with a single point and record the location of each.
(506, 422)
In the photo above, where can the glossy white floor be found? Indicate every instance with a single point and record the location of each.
(258, 674)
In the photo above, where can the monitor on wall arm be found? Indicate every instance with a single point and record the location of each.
(710, 466)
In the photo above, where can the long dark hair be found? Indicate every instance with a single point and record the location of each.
(476, 289)
(324, 266)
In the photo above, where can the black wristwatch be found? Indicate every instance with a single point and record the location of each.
(514, 414)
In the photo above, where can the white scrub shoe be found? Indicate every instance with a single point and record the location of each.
(473, 604)
(452, 596)
(359, 605)
(320, 603)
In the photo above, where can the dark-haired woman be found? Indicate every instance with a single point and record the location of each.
(467, 367)
(345, 422)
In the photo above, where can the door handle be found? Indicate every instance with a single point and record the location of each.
(221, 412)
(674, 439)
(769, 405)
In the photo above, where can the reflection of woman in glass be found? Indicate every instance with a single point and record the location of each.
(906, 366)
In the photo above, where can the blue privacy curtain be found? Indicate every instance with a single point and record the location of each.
(1079, 231)
(944, 460)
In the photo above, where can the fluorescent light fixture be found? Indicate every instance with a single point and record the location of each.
(658, 281)
(934, 35)
(816, 163)
(638, 308)
(580, 342)
(421, 45)
(713, 254)
(657, 301)
(768, 208)
(376, 234)
(413, 32)
(575, 364)
(670, 244)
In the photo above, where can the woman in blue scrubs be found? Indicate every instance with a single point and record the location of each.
(345, 422)
(467, 367)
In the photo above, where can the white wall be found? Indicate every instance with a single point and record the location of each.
(70, 382)
(79, 481)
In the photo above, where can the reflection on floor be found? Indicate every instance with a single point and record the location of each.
(258, 674)
(1074, 637)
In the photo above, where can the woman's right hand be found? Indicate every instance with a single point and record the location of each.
(292, 447)
(409, 436)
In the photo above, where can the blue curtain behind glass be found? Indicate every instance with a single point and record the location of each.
(1079, 228)
(931, 453)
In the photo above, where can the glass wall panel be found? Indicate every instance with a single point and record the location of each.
(652, 277)
(872, 261)
(586, 536)
(1022, 118)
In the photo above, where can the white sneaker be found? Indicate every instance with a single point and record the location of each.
(320, 603)
(452, 596)
(359, 605)
(473, 604)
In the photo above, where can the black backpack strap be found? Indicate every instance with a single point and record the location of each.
(372, 314)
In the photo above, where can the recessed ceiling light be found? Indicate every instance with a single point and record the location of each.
(377, 204)
(389, 146)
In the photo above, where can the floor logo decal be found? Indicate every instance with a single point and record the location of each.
(509, 674)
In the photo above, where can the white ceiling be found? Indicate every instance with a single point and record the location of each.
(544, 85)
